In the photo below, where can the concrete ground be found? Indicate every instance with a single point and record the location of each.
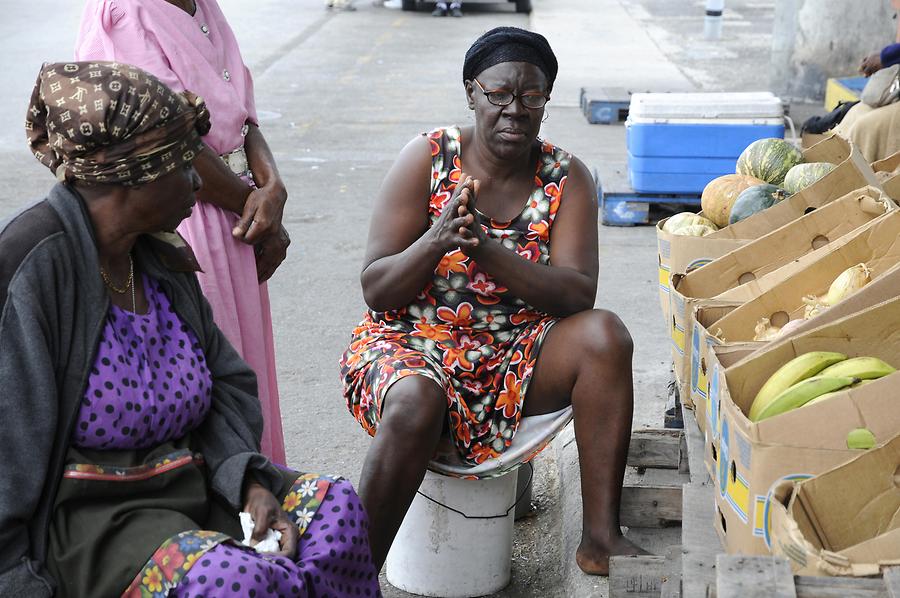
(339, 94)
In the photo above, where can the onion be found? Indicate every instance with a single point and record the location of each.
(790, 326)
(848, 282)
(814, 306)
(765, 331)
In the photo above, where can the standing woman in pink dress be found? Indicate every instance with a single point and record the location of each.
(235, 229)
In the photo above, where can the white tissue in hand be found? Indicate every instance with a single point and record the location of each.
(268, 544)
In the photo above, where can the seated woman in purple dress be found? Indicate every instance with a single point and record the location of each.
(131, 426)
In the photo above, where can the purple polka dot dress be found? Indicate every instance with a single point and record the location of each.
(150, 385)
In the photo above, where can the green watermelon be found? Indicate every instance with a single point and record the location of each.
(802, 176)
(755, 199)
(768, 159)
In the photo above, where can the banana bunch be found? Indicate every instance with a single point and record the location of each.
(810, 377)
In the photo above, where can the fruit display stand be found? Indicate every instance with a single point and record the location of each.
(695, 563)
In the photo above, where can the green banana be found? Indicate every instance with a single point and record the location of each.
(803, 392)
(797, 369)
(829, 395)
(864, 368)
(824, 397)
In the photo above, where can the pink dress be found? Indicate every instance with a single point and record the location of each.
(200, 53)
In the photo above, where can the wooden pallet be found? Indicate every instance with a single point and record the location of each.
(620, 205)
(629, 208)
(605, 105)
(698, 566)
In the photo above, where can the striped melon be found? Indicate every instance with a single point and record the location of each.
(802, 176)
(768, 159)
(721, 193)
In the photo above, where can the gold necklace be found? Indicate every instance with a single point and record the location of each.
(129, 282)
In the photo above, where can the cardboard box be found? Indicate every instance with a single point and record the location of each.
(677, 253)
(745, 273)
(706, 311)
(753, 457)
(716, 354)
(887, 171)
(883, 288)
(845, 521)
(681, 255)
(719, 357)
(807, 140)
(877, 246)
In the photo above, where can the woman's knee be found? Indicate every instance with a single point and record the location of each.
(414, 406)
(604, 334)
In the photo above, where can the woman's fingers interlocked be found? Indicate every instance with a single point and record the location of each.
(453, 227)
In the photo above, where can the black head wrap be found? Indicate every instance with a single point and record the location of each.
(510, 44)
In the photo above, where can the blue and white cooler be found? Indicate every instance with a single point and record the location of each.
(678, 142)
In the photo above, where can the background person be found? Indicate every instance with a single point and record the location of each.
(441, 9)
(236, 228)
(875, 130)
(480, 288)
(132, 426)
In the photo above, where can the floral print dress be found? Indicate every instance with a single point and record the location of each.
(464, 330)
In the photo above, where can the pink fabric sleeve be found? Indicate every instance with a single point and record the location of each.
(110, 32)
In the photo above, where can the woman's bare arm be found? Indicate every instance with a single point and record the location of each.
(402, 251)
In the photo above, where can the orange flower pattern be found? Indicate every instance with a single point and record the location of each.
(465, 330)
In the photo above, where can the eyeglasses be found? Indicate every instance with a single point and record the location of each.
(502, 97)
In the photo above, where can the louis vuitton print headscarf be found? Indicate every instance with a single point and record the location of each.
(106, 122)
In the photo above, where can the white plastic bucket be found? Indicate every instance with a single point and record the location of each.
(439, 552)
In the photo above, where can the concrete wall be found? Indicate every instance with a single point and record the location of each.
(816, 39)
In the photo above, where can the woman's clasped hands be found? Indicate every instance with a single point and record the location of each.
(459, 225)
(260, 225)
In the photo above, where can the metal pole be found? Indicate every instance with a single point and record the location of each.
(712, 24)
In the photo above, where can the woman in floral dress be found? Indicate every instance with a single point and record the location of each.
(482, 256)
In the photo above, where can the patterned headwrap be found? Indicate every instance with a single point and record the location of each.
(105, 122)
(510, 44)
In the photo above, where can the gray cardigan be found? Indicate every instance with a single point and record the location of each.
(53, 309)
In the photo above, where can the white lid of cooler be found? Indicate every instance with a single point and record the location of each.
(726, 105)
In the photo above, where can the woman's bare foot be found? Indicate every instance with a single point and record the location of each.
(593, 557)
